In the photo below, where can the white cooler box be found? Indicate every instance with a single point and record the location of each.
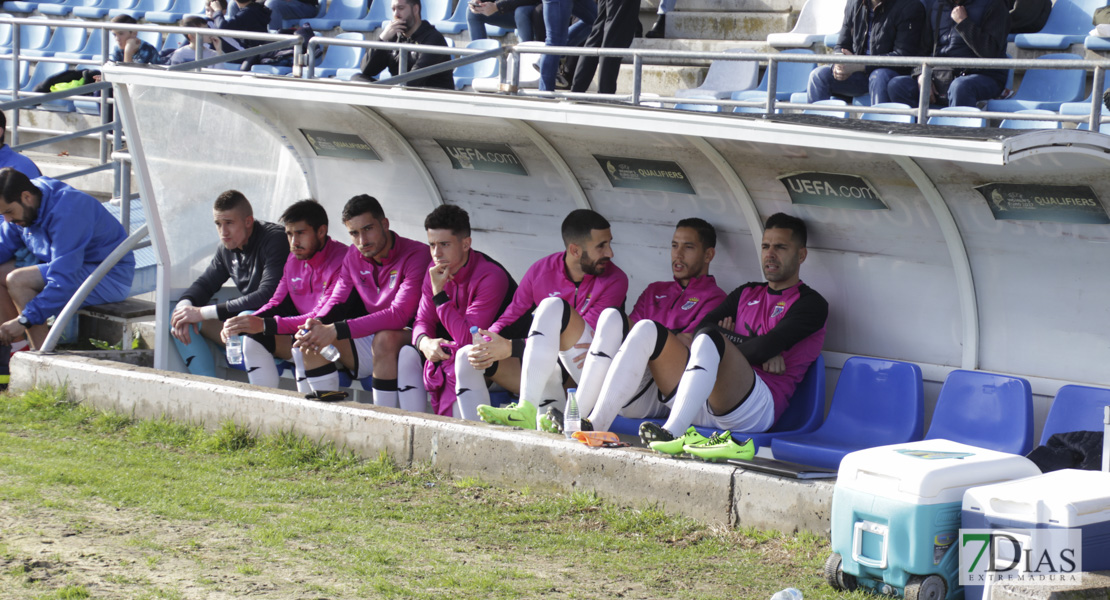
(896, 514)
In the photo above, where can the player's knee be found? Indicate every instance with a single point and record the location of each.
(462, 360)
(713, 335)
(555, 303)
(388, 343)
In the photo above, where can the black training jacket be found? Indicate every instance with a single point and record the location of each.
(255, 269)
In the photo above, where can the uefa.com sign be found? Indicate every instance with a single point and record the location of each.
(1026, 556)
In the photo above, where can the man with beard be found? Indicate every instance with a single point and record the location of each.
(746, 358)
(568, 291)
(310, 274)
(407, 27)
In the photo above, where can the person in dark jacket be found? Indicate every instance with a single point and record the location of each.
(250, 16)
(872, 28)
(408, 27)
(508, 14)
(964, 29)
(252, 254)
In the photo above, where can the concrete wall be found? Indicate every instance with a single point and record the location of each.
(706, 492)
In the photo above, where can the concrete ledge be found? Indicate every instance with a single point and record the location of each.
(631, 476)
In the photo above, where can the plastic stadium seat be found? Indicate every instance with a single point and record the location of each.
(877, 402)
(21, 6)
(1028, 124)
(689, 106)
(489, 67)
(832, 39)
(41, 72)
(724, 78)
(985, 409)
(792, 77)
(6, 75)
(1068, 23)
(529, 72)
(59, 9)
(338, 11)
(890, 118)
(321, 8)
(139, 10)
(340, 57)
(65, 39)
(31, 37)
(91, 50)
(177, 11)
(1076, 408)
(958, 121)
(98, 9)
(1045, 88)
(827, 111)
(376, 16)
(456, 23)
(818, 19)
(271, 70)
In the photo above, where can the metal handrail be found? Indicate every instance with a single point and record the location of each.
(88, 285)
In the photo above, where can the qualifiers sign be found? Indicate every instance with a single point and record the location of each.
(832, 190)
(1051, 203)
(635, 173)
(339, 145)
(482, 156)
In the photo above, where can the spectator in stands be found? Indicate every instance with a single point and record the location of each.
(659, 27)
(747, 356)
(873, 28)
(11, 158)
(565, 293)
(407, 27)
(559, 32)
(311, 274)
(252, 254)
(508, 14)
(463, 288)
(964, 29)
(248, 16)
(615, 27)
(70, 233)
(130, 48)
(1028, 16)
(290, 9)
(214, 8)
(186, 53)
(677, 306)
(367, 315)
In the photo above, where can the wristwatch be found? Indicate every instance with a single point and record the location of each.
(24, 321)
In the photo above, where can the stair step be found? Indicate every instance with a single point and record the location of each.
(751, 26)
(738, 6)
(661, 79)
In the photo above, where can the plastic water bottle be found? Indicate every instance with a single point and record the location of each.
(477, 338)
(788, 594)
(572, 421)
(329, 352)
(235, 350)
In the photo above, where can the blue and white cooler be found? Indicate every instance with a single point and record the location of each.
(1066, 499)
(896, 515)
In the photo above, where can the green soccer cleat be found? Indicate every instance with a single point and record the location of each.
(661, 440)
(518, 414)
(552, 422)
(723, 447)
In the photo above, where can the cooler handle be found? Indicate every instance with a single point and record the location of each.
(857, 543)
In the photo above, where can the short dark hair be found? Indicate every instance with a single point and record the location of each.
(579, 223)
(707, 234)
(796, 226)
(12, 185)
(194, 21)
(233, 200)
(449, 216)
(362, 204)
(125, 19)
(3, 127)
(308, 210)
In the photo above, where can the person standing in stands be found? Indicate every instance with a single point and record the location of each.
(70, 233)
(871, 28)
(614, 27)
(407, 27)
(11, 158)
(252, 254)
(507, 14)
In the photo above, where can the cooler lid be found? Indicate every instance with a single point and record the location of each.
(1066, 498)
(929, 471)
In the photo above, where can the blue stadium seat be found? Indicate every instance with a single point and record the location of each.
(271, 70)
(1032, 124)
(340, 57)
(378, 14)
(697, 107)
(1076, 408)
(1045, 88)
(31, 37)
(876, 402)
(958, 121)
(92, 49)
(65, 39)
(21, 6)
(985, 409)
(177, 11)
(321, 8)
(140, 8)
(489, 67)
(829, 110)
(59, 9)
(792, 77)
(7, 72)
(339, 11)
(41, 72)
(456, 23)
(890, 118)
(724, 78)
(98, 9)
(1068, 23)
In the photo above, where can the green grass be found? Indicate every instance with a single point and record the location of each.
(313, 520)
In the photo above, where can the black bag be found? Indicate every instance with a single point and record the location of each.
(284, 58)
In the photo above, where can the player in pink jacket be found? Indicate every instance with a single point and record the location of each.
(310, 273)
(665, 307)
(368, 311)
(568, 291)
(463, 288)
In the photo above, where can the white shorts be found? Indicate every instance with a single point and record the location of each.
(364, 356)
(648, 402)
(755, 414)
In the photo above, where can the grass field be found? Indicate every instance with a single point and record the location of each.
(96, 505)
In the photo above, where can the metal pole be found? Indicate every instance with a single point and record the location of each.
(924, 93)
(15, 83)
(772, 84)
(638, 68)
(1094, 124)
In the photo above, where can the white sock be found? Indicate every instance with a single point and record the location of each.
(298, 372)
(606, 342)
(541, 354)
(470, 386)
(695, 386)
(410, 381)
(324, 379)
(261, 369)
(625, 374)
(384, 397)
(24, 345)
